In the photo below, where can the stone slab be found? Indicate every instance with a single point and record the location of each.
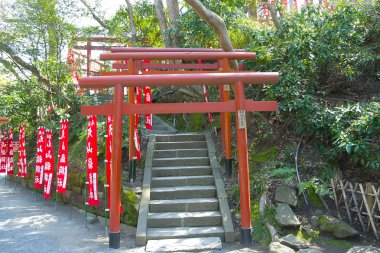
(285, 216)
(184, 245)
(286, 195)
(276, 247)
(293, 242)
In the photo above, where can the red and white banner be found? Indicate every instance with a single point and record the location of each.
(40, 159)
(92, 161)
(109, 156)
(148, 100)
(205, 95)
(136, 127)
(3, 153)
(10, 153)
(22, 170)
(49, 164)
(63, 155)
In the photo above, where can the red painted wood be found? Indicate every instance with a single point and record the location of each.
(179, 56)
(168, 108)
(173, 49)
(179, 79)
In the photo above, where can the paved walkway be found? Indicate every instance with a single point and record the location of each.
(27, 225)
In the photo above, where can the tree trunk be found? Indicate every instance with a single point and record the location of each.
(252, 10)
(162, 21)
(131, 20)
(173, 11)
(217, 23)
(275, 19)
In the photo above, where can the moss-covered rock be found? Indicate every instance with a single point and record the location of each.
(335, 226)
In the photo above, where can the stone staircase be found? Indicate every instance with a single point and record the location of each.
(183, 192)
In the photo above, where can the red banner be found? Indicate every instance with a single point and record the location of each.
(63, 156)
(136, 128)
(3, 153)
(108, 156)
(10, 153)
(205, 95)
(49, 164)
(92, 162)
(22, 169)
(40, 159)
(148, 100)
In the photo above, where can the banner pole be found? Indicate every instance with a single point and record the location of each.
(105, 208)
(85, 203)
(56, 195)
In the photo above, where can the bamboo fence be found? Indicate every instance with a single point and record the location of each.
(360, 202)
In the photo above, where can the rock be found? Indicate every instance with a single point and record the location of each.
(364, 249)
(335, 226)
(91, 218)
(293, 242)
(309, 251)
(276, 247)
(314, 221)
(286, 195)
(285, 216)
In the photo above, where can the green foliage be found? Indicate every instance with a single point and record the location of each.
(286, 173)
(314, 185)
(260, 232)
(266, 155)
(129, 215)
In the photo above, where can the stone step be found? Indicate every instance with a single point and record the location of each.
(182, 181)
(184, 232)
(180, 137)
(180, 161)
(184, 219)
(181, 171)
(184, 245)
(180, 153)
(184, 205)
(180, 145)
(183, 192)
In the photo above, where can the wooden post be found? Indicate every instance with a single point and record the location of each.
(244, 186)
(227, 125)
(343, 188)
(131, 100)
(369, 210)
(357, 207)
(117, 137)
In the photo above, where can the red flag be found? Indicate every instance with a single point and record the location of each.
(92, 161)
(40, 159)
(109, 159)
(205, 95)
(136, 130)
(148, 100)
(22, 169)
(108, 155)
(10, 153)
(3, 151)
(49, 164)
(63, 157)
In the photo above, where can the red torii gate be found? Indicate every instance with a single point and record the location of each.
(240, 105)
(222, 65)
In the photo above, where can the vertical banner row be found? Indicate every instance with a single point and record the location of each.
(49, 164)
(10, 153)
(22, 170)
(63, 154)
(108, 156)
(40, 159)
(92, 161)
(3, 153)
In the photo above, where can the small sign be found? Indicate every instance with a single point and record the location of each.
(242, 119)
(226, 87)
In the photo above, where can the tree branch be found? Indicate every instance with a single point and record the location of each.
(131, 20)
(95, 16)
(31, 68)
(217, 23)
(158, 6)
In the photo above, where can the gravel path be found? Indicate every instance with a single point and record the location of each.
(27, 225)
